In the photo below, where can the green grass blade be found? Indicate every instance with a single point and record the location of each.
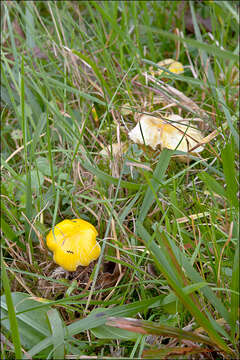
(123, 35)
(96, 320)
(7, 230)
(149, 327)
(229, 9)
(213, 50)
(162, 260)
(27, 160)
(13, 96)
(212, 184)
(159, 254)
(230, 174)
(195, 277)
(157, 177)
(27, 316)
(57, 330)
(50, 156)
(94, 67)
(30, 26)
(55, 83)
(10, 29)
(206, 62)
(235, 294)
(110, 179)
(229, 118)
(11, 313)
(128, 208)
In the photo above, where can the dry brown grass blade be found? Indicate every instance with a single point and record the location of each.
(174, 94)
(171, 96)
(209, 137)
(174, 352)
(185, 219)
(149, 327)
(19, 280)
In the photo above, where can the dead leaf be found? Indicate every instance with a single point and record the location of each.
(109, 276)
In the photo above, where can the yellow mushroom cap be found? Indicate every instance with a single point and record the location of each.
(176, 68)
(158, 132)
(73, 243)
(171, 65)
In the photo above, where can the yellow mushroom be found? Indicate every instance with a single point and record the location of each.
(73, 243)
(176, 68)
(171, 65)
(153, 131)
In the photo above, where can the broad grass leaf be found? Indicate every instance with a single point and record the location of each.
(93, 321)
(228, 155)
(33, 325)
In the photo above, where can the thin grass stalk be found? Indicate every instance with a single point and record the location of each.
(27, 159)
(50, 156)
(11, 312)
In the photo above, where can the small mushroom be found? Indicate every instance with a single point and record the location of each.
(73, 243)
(153, 131)
(171, 65)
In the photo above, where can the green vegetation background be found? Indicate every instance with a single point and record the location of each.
(168, 230)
